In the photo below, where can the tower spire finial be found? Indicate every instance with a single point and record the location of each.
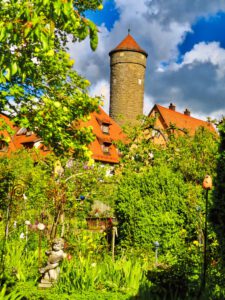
(129, 29)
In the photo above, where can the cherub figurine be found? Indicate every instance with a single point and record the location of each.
(50, 273)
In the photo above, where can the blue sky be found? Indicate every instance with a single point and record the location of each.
(186, 47)
(108, 15)
(208, 29)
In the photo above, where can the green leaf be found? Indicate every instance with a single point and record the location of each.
(14, 68)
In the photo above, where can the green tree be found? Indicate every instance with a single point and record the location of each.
(193, 156)
(157, 205)
(159, 197)
(32, 190)
(38, 85)
(218, 210)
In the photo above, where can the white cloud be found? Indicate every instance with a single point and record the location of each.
(101, 88)
(204, 53)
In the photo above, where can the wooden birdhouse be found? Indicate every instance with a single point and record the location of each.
(207, 183)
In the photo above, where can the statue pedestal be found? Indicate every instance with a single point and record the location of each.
(44, 284)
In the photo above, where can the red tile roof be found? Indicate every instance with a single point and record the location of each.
(128, 44)
(11, 146)
(115, 134)
(181, 121)
(28, 139)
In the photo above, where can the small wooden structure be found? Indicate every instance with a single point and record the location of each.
(100, 223)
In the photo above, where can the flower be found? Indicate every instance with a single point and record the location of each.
(69, 256)
(41, 226)
(196, 243)
(27, 222)
(35, 60)
(22, 235)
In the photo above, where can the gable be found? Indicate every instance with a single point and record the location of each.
(168, 117)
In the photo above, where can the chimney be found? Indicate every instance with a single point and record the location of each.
(172, 106)
(187, 112)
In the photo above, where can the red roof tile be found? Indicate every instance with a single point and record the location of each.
(115, 134)
(182, 121)
(129, 44)
(11, 146)
(97, 119)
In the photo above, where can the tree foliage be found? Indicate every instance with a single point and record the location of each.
(159, 198)
(39, 87)
(159, 190)
(218, 209)
(32, 190)
(157, 205)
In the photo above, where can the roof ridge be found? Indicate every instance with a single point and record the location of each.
(174, 111)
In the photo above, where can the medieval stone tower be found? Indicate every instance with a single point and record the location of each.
(127, 65)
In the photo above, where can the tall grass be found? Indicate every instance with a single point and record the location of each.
(20, 264)
(86, 274)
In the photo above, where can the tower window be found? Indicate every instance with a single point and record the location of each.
(105, 128)
(139, 81)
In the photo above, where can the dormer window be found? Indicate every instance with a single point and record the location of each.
(3, 146)
(28, 145)
(106, 148)
(24, 131)
(29, 133)
(21, 131)
(105, 128)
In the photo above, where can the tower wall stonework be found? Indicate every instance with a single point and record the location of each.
(127, 85)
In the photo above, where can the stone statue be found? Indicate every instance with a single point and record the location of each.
(50, 273)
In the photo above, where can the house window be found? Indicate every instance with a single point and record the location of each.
(29, 133)
(3, 146)
(21, 131)
(28, 145)
(106, 148)
(105, 128)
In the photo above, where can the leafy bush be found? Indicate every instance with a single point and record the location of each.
(156, 205)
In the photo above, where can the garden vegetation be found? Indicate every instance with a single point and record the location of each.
(156, 193)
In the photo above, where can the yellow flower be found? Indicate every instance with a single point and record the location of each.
(196, 243)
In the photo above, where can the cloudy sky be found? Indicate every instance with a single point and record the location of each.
(185, 41)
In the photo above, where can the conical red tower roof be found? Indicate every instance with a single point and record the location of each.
(128, 44)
